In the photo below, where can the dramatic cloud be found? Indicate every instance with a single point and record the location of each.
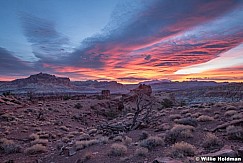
(10, 65)
(47, 44)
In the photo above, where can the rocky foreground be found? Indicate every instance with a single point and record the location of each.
(131, 128)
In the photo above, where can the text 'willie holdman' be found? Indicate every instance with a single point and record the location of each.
(219, 159)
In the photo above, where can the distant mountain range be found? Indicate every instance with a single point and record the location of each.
(46, 83)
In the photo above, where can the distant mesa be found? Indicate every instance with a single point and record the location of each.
(42, 78)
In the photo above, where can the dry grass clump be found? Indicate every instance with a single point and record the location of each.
(230, 107)
(185, 111)
(237, 116)
(183, 149)
(174, 116)
(179, 132)
(40, 141)
(127, 140)
(151, 142)
(143, 135)
(211, 141)
(196, 115)
(118, 149)
(188, 121)
(8, 146)
(103, 140)
(64, 128)
(141, 151)
(35, 149)
(118, 138)
(205, 118)
(84, 137)
(235, 132)
(33, 136)
(230, 113)
(84, 144)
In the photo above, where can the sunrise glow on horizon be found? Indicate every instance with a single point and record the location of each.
(123, 41)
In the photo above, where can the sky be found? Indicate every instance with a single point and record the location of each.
(122, 40)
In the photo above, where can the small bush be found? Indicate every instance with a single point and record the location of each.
(143, 135)
(174, 116)
(196, 115)
(179, 132)
(237, 116)
(40, 141)
(103, 140)
(183, 149)
(167, 103)
(35, 149)
(78, 106)
(127, 140)
(235, 132)
(84, 144)
(118, 138)
(188, 121)
(211, 141)
(205, 118)
(118, 149)
(230, 113)
(151, 142)
(141, 151)
(8, 146)
(64, 128)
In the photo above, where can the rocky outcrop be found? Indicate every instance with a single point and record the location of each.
(142, 88)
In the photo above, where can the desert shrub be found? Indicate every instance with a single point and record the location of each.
(167, 103)
(151, 142)
(118, 149)
(230, 113)
(92, 131)
(33, 136)
(84, 144)
(78, 106)
(118, 138)
(141, 151)
(64, 128)
(211, 141)
(35, 149)
(103, 140)
(188, 121)
(87, 156)
(174, 116)
(40, 141)
(8, 146)
(185, 111)
(127, 140)
(230, 107)
(179, 132)
(66, 97)
(235, 132)
(84, 137)
(143, 135)
(196, 115)
(205, 118)
(183, 149)
(237, 116)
